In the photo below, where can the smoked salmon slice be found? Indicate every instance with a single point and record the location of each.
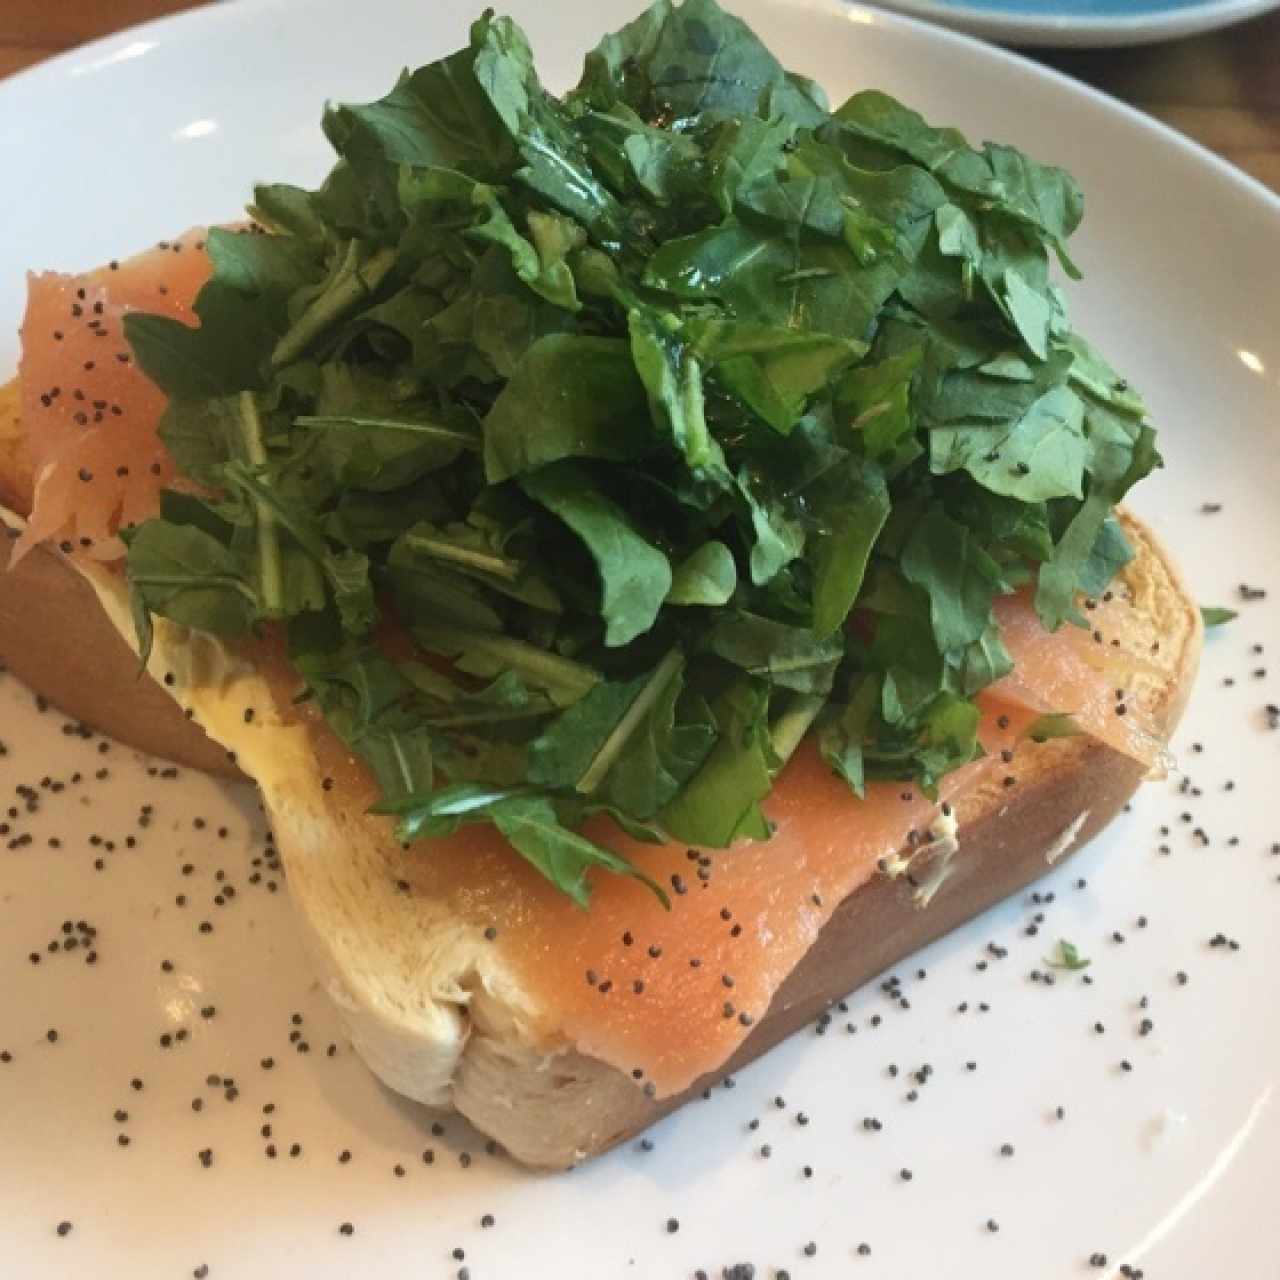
(1086, 673)
(90, 414)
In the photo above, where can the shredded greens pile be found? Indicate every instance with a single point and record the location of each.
(671, 420)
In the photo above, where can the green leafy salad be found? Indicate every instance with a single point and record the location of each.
(671, 420)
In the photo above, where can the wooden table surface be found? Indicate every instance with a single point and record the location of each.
(1222, 89)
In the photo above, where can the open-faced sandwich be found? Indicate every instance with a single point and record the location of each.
(656, 551)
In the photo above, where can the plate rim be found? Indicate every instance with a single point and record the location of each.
(1069, 31)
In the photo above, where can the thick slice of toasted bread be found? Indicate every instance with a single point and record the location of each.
(433, 1009)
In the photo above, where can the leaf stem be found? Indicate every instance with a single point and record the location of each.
(662, 676)
(564, 680)
(788, 730)
(192, 580)
(264, 520)
(338, 422)
(355, 280)
(440, 549)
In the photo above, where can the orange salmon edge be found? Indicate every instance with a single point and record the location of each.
(826, 845)
(88, 409)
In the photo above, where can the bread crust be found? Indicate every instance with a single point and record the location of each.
(55, 638)
(548, 1104)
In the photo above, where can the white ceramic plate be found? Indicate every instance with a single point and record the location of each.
(1169, 1168)
(1083, 24)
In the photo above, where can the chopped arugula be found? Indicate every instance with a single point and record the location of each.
(1054, 724)
(1069, 958)
(660, 423)
(1216, 616)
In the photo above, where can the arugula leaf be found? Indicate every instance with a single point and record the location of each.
(440, 115)
(1054, 724)
(348, 571)
(363, 520)
(1030, 311)
(531, 826)
(666, 167)
(202, 436)
(721, 802)
(567, 753)
(1043, 196)
(672, 378)
(368, 438)
(634, 575)
(433, 815)
(479, 553)
(222, 356)
(624, 744)
(775, 281)
(529, 822)
(1060, 576)
(790, 657)
(368, 704)
(779, 536)
(774, 372)
(1109, 554)
(981, 663)
(844, 733)
(662, 754)
(1068, 957)
(961, 578)
(479, 653)
(425, 592)
(855, 516)
(289, 211)
(950, 740)
(569, 397)
(1042, 456)
(538, 259)
(188, 576)
(878, 398)
(1215, 617)
(694, 61)
(744, 152)
(706, 576)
